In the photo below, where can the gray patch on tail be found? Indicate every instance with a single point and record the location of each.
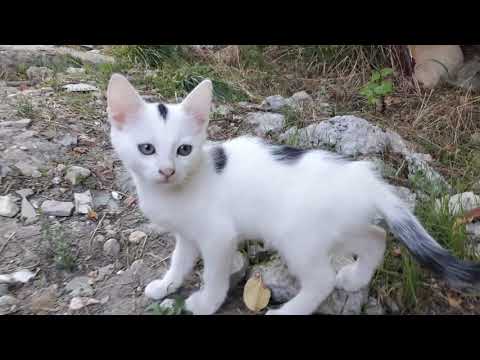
(428, 252)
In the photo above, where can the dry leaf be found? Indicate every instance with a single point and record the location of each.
(80, 149)
(92, 215)
(454, 302)
(468, 217)
(396, 251)
(255, 294)
(130, 200)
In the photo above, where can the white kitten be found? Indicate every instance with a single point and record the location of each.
(302, 203)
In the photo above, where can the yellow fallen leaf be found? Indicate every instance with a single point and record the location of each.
(255, 294)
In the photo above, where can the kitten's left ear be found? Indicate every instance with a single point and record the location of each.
(199, 102)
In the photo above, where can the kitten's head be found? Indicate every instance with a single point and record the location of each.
(159, 143)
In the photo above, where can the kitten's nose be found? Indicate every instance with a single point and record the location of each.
(167, 172)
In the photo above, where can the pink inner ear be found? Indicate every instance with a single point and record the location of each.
(199, 118)
(119, 117)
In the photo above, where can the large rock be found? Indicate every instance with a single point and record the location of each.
(8, 207)
(349, 135)
(11, 56)
(265, 123)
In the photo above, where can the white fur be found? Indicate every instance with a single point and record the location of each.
(304, 210)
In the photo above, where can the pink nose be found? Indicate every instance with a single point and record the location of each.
(167, 172)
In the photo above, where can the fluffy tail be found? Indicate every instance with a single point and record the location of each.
(406, 228)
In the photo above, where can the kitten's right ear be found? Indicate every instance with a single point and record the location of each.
(123, 101)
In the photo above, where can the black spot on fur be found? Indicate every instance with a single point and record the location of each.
(219, 159)
(287, 153)
(162, 109)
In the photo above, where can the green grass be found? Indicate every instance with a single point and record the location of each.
(25, 108)
(59, 246)
(177, 309)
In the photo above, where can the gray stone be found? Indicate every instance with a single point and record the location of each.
(284, 287)
(341, 302)
(459, 203)
(83, 202)
(276, 277)
(18, 277)
(25, 193)
(4, 170)
(16, 123)
(349, 135)
(28, 169)
(44, 299)
(75, 71)
(39, 73)
(239, 269)
(79, 88)
(76, 174)
(28, 211)
(3, 289)
(168, 304)
(104, 272)
(57, 208)
(57, 180)
(223, 110)
(67, 140)
(136, 237)
(299, 99)
(418, 166)
(265, 123)
(79, 286)
(373, 307)
(103, 198)
(8, 304)
(111, 248)
(274, 103)
(407, 196)
(473, 230)
(11, 56)
(60, 169)
(8, 207)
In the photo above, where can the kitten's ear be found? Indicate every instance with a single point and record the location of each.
(199, 102)
(123, 101)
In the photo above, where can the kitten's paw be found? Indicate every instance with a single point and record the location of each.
(198, 304)
(158, 289)
(347, 279)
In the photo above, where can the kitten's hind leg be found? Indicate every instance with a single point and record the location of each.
(183, 260)
(368, 244)
(317, 280)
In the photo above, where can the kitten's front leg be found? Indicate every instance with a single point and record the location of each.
(216, 276)
(183, 260)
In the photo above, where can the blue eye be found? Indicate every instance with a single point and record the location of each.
(146, 149)
(184, 150)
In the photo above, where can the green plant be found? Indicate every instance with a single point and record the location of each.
(25, 108)
(59, 246)
(411, 277)
(378, 87)
(178, 308)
